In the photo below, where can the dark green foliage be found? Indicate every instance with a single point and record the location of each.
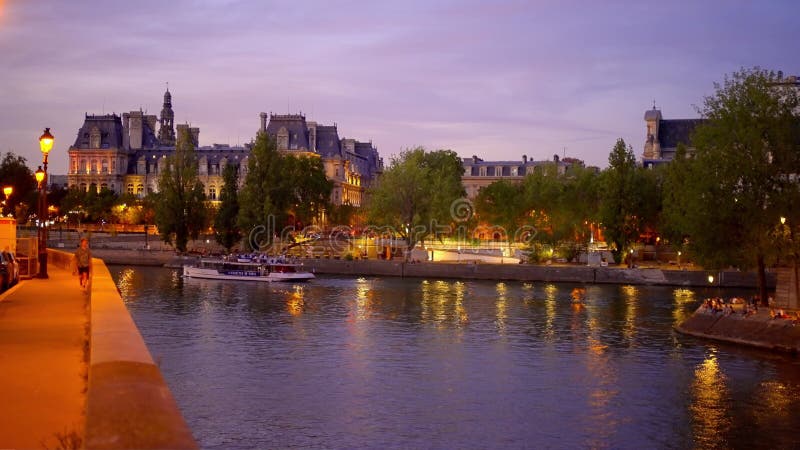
(416, 194)
(618, 208)
(180, 211)
(548, 209)
(226, 227)
(278, 188)
(14, 172)
(742, 176)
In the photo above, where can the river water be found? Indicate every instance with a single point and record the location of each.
(408, 363)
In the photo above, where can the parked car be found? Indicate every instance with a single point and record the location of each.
(9, 270)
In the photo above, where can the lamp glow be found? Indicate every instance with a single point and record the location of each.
(46, 141)
(39, 174)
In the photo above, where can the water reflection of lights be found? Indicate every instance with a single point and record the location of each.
(680, 298)
(528, 295)
(631, 296)
(362, 299)
(710, 403)
(776, 399)
(126, 283)
(501, 305)
(460, 311)
(443, 301)
(550, 292)
(295, 303)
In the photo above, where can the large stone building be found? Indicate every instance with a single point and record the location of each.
(479, 173)
(663, 137)
(126, 153)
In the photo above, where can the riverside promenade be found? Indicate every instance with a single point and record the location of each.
(75, 372)
(44, 339)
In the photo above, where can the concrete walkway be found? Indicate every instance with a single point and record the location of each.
(43, 369)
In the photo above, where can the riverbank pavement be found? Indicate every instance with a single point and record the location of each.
(44, 325)
(758, 329)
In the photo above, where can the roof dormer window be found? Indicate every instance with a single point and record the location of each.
(94, 138)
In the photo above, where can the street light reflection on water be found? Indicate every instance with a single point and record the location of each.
(377, 362)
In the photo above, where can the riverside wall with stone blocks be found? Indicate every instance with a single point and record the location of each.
(128, 402)
(524, 272)
(759, 330)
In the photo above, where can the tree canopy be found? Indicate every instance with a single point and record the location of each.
(226, 228)
(278, 188)
(742, 176)
(180, 210)
(416, 193)
(14, 172)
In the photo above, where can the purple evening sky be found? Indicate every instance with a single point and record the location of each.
(497, 79)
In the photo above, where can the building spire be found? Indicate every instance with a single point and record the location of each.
(166, 133)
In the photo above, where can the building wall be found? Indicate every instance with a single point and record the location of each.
(124, 154)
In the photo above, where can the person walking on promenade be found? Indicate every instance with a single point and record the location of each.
(83, 261)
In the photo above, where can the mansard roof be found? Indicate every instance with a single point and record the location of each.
(110, 127)
(295, 125)
(328, 143)
(674, 131)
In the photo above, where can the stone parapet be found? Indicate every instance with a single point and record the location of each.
(128, 402)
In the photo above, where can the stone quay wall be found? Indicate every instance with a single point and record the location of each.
(524, 272)
(128, 402)
(759, 330)
(473, 271)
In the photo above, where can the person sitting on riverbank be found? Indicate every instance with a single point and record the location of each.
(777, 315)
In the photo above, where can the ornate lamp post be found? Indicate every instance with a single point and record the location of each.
(45, 144)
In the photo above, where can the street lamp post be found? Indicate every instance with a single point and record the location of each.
(45, 145)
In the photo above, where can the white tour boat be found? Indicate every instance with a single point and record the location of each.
(247, 269)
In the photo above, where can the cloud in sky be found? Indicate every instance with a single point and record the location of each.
(497, 79)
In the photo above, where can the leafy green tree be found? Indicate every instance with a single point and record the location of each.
(309, 187)
(14, 172)
(264, 199)
(343, 214)
(416, 193)
(743, 175)
(180, 212)
(501, 204)
(618, 207)
(226, 228)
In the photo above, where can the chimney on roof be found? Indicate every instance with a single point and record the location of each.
(263, 116)
(524, 159)
(474, 159)
(555, 158)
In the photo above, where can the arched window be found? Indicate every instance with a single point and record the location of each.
(212, 193)
(130, 188)
(140, 190)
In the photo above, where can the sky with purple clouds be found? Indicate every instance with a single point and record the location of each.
(496, 79)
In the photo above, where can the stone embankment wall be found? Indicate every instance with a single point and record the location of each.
(759, 330)
(128, 403)
(524, 272)
(472, 271)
